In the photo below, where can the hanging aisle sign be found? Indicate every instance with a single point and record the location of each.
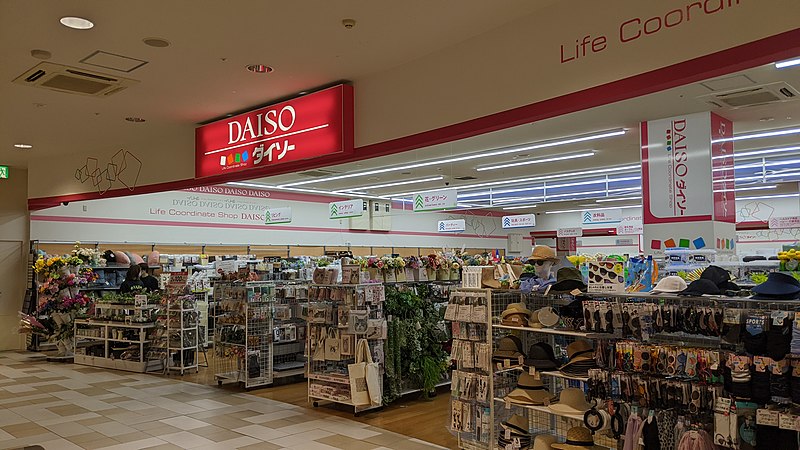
(519, 221)
(3, 171)
(569, 232)
(277, 215)
(306, 127)
(451, 226)
(345, 209)
(436, 200)
(784, 222)
(606, 216)
(632, 228)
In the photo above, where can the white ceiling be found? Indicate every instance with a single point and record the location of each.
(610, 152)
(202, 75)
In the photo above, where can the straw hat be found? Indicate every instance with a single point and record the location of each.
(515, 308)
(517, 424)
(581, 359)
(516, 315)
(571, 401)
(508, 347)
(543, 253)
(543, 442)
(547, 316)
(578, 346)
(529, 391)
(578, 438)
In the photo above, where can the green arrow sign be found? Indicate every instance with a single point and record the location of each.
(4, 171)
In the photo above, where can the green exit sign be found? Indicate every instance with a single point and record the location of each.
(3, 171)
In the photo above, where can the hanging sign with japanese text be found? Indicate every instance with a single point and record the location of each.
(345, 209)
(302, 128)
(519, 221)
(451, 226)
(277, 215)
(436, 200)
(569, 232)
(630, 228)
(784, 222)
(604, 216)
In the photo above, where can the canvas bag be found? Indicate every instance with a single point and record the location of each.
(365, 382)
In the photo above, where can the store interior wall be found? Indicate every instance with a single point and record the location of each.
(440, 89)
(178, 217)
(14, 238)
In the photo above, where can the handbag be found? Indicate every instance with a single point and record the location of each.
(359, 392)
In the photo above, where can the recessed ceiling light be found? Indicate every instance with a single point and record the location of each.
(302, 93)
(134, 119)
(156, 42)
(259, 68)
(77, 23)
(23, 146)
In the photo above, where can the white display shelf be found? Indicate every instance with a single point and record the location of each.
(131, 306)
(543, 409)
(115, 324)
(557, 332)
(544, 373)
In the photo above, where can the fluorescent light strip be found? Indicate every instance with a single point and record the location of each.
(486, 154)
(787, 63)
(397, 183)
(590, 209)
(752, 188)
(309, 191)
(761, 197)
(752, 165)
(519, 207)
(762, 177)
(537, 161)
(538, 178)
(568, 196)
(759, 135)
(754, 153)
(617, 199)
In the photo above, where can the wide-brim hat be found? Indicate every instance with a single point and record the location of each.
(721, 277)
(699, 287)
(543, 442)
(578, 346)
(508, 347)
(778, 285)
(530, 391)
(543, 253)
(533, 320)
(578, 438)
(541, 357)
(571, 401)
(579, 366)
(515, 308)
(517, 424)
(669, 285)
(516, 320)
(568, 279)
(547, 316)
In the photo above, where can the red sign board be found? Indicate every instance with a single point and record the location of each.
(306, 127)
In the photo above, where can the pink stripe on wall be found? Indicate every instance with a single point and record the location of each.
(167, 223)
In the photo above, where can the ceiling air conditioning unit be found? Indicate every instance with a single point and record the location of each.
(753, 96)
(73, 80)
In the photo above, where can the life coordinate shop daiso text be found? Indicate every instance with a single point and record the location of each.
(637, 28)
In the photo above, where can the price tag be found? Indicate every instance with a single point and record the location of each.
(778, 317)
(508, 404)
(575, 292)
(508, 434)
(521, 360)
(140, 300)
(788, 422)
(532, 371)
(506, 363)
(767, 417)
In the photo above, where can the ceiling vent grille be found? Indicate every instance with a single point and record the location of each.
(753, 96)
(73, 81)
(318, 173)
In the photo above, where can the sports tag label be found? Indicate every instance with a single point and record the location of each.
(755, 324)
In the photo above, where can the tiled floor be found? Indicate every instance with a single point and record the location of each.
(64, 406)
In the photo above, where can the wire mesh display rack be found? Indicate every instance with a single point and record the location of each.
(339, 315)
(289, 332)
(243, 333)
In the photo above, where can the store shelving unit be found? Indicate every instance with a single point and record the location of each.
(243, 333)
(118, 344)
(289, 328)
(182, 332)
(333, 333)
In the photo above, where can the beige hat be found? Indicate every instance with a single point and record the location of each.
(543, 253)
(533, 321)
(669, 285)
(517, 424)
(543, 442)
(571, 401)
(547, 316)
(529, 391)
(515, 308)
(578, 346)
(578, 438)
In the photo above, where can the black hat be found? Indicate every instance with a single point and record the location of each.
(754, 258)
(568, 279)
(720, 277)
(541, 356)
(779, 286)
(703, 286)
(110, 257)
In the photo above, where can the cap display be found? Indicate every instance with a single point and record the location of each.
(720, 277)
(578, 438)
(568, 279)
(571, 401)
(670, 285)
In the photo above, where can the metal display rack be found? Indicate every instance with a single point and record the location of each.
(243, 333)
(338, 316)
(182, 332)
(289, 329)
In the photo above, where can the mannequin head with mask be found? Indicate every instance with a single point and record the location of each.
(543, 259)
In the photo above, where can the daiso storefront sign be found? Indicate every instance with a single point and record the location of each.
(302, 128)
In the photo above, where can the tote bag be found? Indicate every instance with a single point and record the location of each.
(359, 392)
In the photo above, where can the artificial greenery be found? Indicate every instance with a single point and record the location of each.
(415, 358)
